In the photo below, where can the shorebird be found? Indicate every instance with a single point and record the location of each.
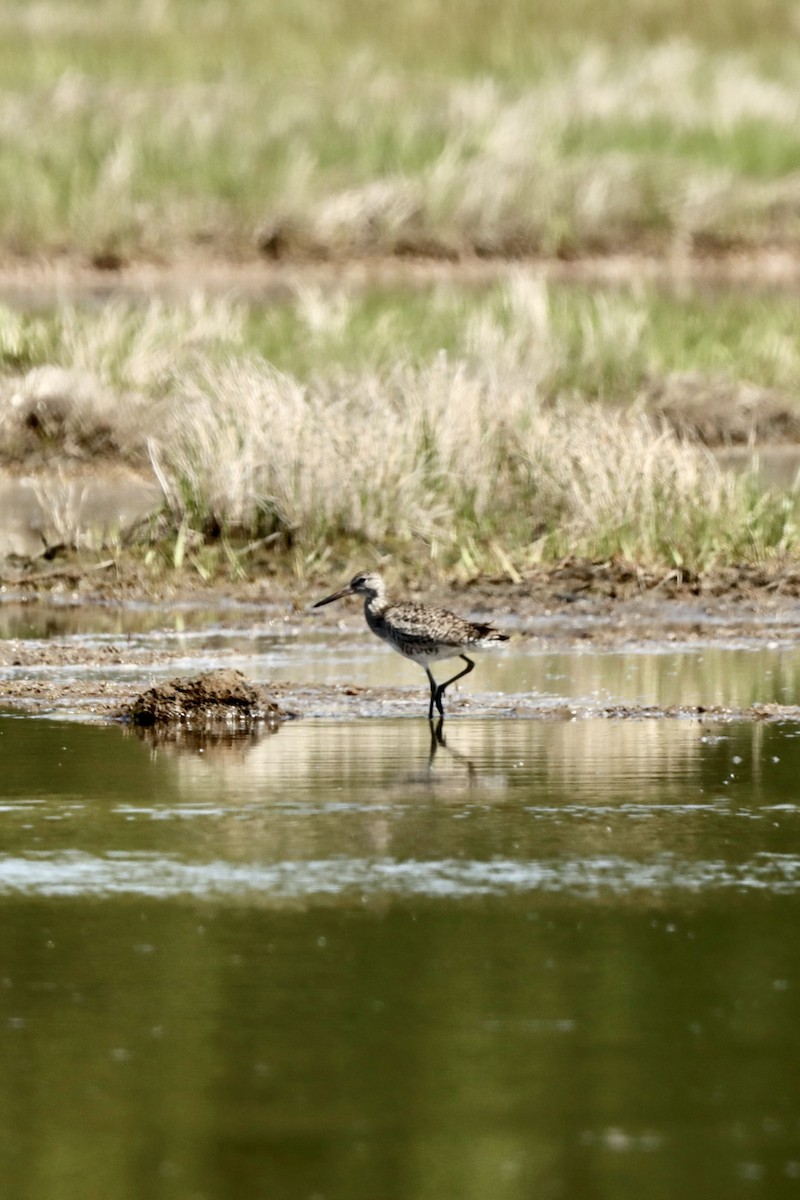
(418, 631)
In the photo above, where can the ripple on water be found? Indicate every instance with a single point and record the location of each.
(80, 874)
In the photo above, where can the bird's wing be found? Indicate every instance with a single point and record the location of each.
(418, 623)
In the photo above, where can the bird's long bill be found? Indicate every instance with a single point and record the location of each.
(347, 591)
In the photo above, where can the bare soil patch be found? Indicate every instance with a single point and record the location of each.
(720, 412)
(270, 579)
(74, 278)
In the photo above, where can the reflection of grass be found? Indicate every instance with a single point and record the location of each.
(192, 128)
(533, 435)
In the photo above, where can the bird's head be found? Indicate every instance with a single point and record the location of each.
(365, 583)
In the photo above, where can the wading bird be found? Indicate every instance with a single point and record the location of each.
(418, 631)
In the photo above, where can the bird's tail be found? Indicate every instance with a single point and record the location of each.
(487, 633)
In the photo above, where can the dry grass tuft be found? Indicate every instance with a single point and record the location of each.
(537, 436)
(121, 362)
(463, 461)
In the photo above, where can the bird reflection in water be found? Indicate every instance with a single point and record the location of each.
(438, 740)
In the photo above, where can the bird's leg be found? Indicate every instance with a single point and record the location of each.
(432, 682)
(447, 682)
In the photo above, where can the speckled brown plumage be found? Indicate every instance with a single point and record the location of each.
(419, 632)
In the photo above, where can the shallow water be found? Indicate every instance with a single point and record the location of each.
(343, 960)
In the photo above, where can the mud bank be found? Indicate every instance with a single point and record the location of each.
(113, 701)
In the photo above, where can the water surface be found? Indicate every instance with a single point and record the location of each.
(343, 960)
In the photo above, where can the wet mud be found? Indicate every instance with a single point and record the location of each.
(215, 699)
(575, 607)
(116, 700)
(226, 703)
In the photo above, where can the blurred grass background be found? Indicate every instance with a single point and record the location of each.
(490, 429)
(169, 41)
(170, 128)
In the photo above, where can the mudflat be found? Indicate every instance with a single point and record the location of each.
(572, 607)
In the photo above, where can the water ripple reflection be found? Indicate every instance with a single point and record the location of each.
(78, 874)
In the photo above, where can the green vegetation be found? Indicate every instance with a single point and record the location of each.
(604, 344)
(174, 128)
(487, 433)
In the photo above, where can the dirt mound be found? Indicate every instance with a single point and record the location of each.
(215, 699)
(723, 412)
(72, 414)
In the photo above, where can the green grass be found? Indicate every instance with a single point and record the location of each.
(588, 344)
(753, 148)
(185, 40)
(600, 344)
